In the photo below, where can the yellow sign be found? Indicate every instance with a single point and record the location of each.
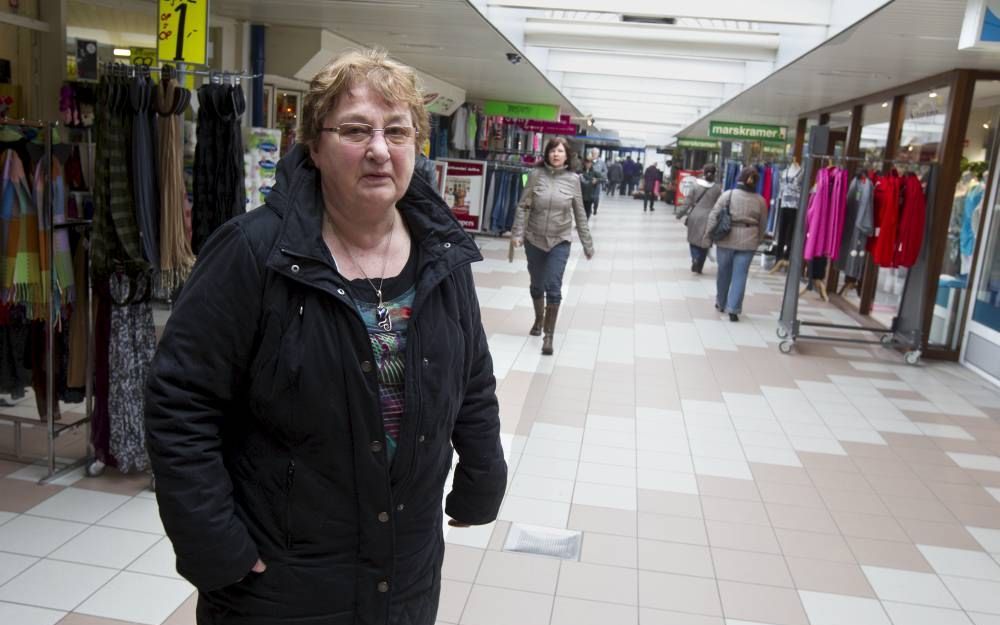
(143, 56)
(182, 31)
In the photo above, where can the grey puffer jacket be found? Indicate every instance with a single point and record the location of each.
(550, 203)
(749, 211)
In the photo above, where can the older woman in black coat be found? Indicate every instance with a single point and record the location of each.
(318, 367)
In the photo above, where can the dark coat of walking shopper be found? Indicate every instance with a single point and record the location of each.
(590, 185)
(749, 221)
(615, 177)
(551, 203)
(697, 206)
(650, 187)
(317, 370)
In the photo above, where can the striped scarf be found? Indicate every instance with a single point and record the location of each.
(21, 259)
(62, 255)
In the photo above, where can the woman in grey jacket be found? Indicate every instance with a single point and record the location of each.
(551, 202)
(697, 206)
(749, 219)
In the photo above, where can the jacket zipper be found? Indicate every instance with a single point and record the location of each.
(289, 483)
(415, 441)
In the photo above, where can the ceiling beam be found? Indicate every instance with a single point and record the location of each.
(641, 116)
(640, 96)
(685, 110)
(646, 66)
(807, 12)
(646, 84)
(652, 40)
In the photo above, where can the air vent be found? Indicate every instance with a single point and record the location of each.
(641, 19)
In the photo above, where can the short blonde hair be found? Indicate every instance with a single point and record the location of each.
(394, 82)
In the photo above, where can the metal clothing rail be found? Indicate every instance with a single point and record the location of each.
(907, 327)
(54, 467)
(180, 69)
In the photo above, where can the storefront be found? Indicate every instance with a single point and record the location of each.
(946, 123)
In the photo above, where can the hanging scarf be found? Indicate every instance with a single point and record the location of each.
(62, 256)
(22, 264)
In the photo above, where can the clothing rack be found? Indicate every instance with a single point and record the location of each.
(181, 70)
(907, 327)
(54, 468)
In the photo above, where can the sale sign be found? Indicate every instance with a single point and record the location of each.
(182, 31)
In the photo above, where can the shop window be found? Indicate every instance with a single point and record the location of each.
(875, 131)
(986, 307)
(286, 117)
(968, 202)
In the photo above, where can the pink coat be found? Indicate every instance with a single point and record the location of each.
(825, 216)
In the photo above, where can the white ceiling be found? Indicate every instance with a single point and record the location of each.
(448, 39)
(906, 41)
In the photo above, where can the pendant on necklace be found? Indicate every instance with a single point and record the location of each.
(382, 319)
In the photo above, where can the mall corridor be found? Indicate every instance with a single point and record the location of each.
(712, 480)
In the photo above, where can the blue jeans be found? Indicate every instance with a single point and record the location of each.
(546, 270)
(698, 256)
(731, 283)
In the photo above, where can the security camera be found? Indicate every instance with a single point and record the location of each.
(514, 58)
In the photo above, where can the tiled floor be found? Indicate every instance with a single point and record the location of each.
(715, 481)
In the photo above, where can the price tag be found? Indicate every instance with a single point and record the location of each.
(182, 31)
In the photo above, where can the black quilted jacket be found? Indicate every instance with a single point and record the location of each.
(265, 432)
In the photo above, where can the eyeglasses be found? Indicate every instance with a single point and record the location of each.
(363, 133)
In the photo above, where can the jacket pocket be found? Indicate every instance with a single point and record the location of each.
(289, 488)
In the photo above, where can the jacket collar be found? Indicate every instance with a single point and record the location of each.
(296, 198)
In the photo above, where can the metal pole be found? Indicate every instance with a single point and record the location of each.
(51, 315)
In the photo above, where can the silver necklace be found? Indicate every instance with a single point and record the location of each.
(382, 319)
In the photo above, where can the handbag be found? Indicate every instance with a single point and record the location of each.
(725, 223)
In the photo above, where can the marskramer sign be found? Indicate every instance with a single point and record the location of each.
(750, 132)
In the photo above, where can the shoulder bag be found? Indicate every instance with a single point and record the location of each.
(725, 223)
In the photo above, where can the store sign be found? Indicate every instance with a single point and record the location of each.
(182, 31)
(464, 186)
(735, 131)
(698, 144)
(981, 28)
(517, 110)
(562, 127)
(440, 97)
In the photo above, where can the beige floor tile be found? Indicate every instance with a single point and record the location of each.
(962, 493)
(933, 474)
(801, 518)
(839, 578)
(827, 462)
(850, 501)
(840, 480)
(888, 554)
(114, 482)
(21, 496)
(734, 511)
(518, 571)
(806, 496)
(602, 520)
(7, 467)
(883, 467)
(499, 537)
(727, 488)
(649, 616)
(749, 567)
(679, 593)
(454, 596)
(569, 611)
(762, 604)
(185, 614)
(500, 606)
(598, 583)
(900, 442)
(461, 563)
(978, 516)
(774, 474)
(875, 526)
(799, 544)
(672, 529)
(674, 504)
(610, 550)
(910, 488)
(918, 509)
(758, 538)
(679, 558)
(953, 535)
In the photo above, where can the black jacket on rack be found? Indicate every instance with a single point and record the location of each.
(265, 430)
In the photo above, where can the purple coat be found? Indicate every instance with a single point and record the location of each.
(825, 216)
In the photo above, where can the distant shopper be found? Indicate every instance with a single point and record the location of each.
(651, 187)
(615, 177)
(590, 184)
(602, 170)
(749, 219)
(697, 206)
(630, 170)
(551, 202)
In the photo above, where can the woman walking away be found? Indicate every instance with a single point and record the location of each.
(697, 206)
(550, 204)
(650, 187)
(590, 184)
(736, 249)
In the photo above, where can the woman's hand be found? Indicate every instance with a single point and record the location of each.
(260, 567)
(589, 254)
(517, 241)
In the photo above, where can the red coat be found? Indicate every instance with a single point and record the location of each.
(912, 222)
(887, 194)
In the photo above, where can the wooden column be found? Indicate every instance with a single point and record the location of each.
(869, 283)
(800, 139)
(949, 156)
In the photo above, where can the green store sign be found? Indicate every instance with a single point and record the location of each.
(698, 144)
(735, 131)
(518, 110)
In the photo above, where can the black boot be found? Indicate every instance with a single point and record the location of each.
(551, 314)
(734, 317)
(536, 329)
